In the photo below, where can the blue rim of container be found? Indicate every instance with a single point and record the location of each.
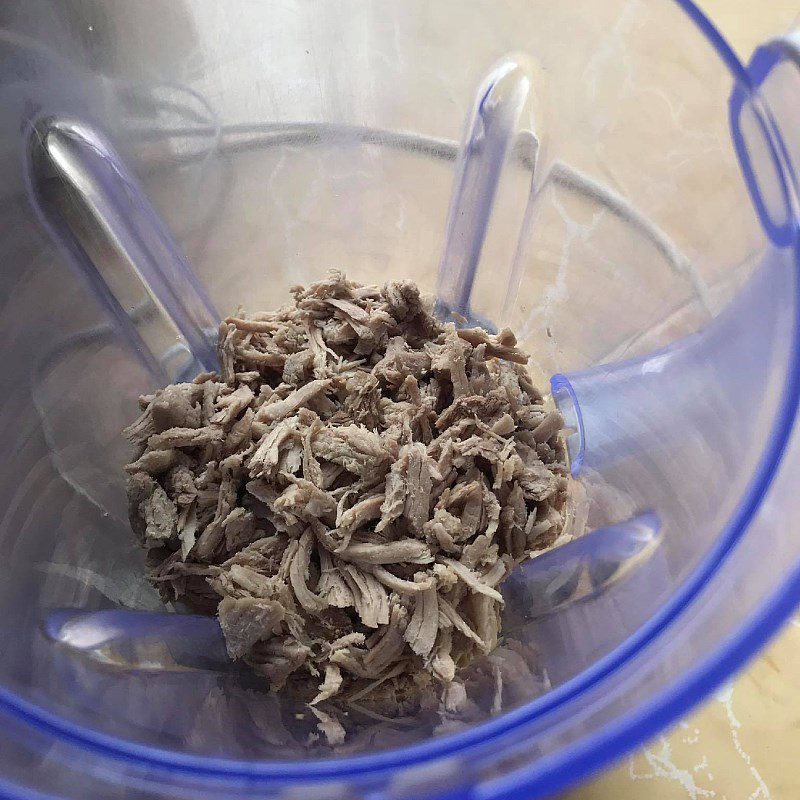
(781, 233)
(569, 765)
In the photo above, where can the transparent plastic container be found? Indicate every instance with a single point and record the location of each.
(603, 177)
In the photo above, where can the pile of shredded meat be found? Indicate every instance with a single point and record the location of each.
(349, 492)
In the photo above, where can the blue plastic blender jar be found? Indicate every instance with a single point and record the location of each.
(603, 177)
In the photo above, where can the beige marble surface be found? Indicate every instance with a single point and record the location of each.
(743, 743)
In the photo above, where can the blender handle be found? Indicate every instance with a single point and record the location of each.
(94, 208)
(775, 67)
(765, 126)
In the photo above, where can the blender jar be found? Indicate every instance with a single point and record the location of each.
(603, 177)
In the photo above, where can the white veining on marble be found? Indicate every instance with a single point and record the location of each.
(693, 778)
(660, 760)
(725, 696)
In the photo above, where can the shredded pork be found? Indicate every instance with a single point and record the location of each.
(349, 492)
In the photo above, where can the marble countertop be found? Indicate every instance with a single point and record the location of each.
(741, 743)
(739, 746)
